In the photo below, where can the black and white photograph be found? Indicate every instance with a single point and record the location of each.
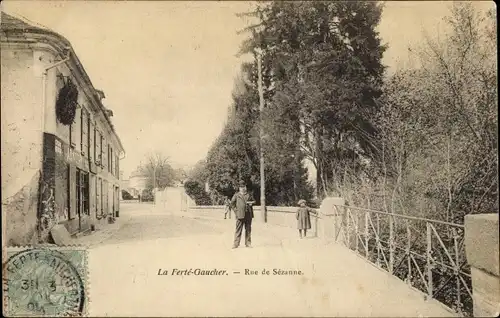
(249, 158)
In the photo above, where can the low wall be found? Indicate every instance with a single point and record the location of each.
(173, 199)
(211, 211)
(281, 216)
(482, 249)
(325, 224)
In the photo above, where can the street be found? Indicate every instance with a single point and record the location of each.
(156, 226)
(329, 280)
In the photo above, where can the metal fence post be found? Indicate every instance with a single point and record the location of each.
(348, 230)
(429, 259)
(366, 235)
(377, 238)
(391, 244)
(408, 251)
(356, 229)
(456, 269)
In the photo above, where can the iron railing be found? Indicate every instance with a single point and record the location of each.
(428, 255)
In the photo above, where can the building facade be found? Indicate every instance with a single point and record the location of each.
(125, 185)
(60, 151)
(137, 183)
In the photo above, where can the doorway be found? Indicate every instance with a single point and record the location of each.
(82, 199)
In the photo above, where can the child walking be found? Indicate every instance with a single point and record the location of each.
(304, 218)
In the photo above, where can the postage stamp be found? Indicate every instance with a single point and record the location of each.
(45, 281)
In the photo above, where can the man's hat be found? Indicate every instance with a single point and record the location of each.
(242, 183)
(302, 201)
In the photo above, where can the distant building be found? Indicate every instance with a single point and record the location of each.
(137, 183)
(123, 184)
(53, 171)
(133, 185)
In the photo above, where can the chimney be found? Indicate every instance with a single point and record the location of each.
(100, 94)
(109, 112)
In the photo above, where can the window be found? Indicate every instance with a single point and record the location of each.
(98, 206)
(95, 143)
(58, 147)
(105, 196)
(91, 141)
(68, 191)
(100, 202)
(102, 198)
(85, 193)
(109, 158)
(117, 169)
(72, 193)
(101, 152)
(111, 161)
(85, 132)
(78, 194)
(104, 160)
(82, 193)
(98, 145)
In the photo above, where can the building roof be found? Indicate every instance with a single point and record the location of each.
(8, 21)
(10, 25)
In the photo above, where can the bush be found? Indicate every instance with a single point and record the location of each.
(126, 195)
(147, 195)
(196, 192)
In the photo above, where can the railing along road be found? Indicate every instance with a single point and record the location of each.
(428, 255)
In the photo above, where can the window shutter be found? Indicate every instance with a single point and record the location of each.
(72, 192)
(92, 141)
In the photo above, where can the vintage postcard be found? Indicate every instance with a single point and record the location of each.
(249, 159)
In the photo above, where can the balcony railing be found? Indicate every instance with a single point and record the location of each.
(428, 255)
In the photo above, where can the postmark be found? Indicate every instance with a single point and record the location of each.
(45, 282)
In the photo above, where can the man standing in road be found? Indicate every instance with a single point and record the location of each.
(242, 203)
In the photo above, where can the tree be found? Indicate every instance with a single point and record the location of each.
(198, 172)
(439, 122)
(323, 69)
(235, 154)
(321, 74)
(180, 174)
(158, 171)
(437, 134)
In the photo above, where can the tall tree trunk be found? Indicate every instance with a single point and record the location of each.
(319, 169)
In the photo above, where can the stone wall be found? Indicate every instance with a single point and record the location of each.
(19, 215)
(482, 248)
(21, 129)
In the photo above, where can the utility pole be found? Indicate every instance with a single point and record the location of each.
(262, 175)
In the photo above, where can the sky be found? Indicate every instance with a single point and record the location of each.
(167, 68)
